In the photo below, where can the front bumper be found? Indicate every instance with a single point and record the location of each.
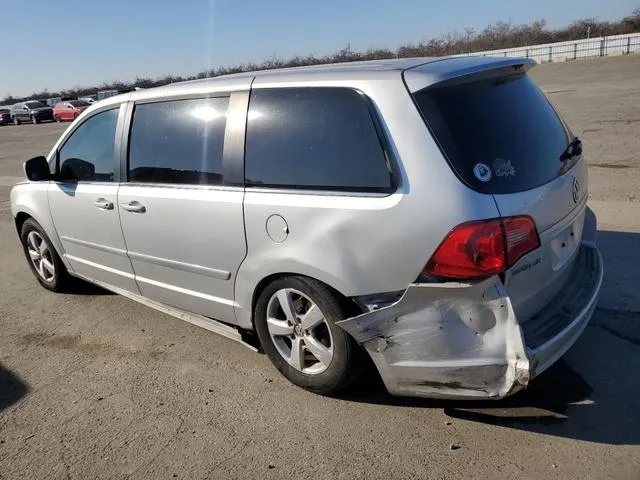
(464, 341)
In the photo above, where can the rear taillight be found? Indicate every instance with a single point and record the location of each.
(480, 249)
(522, 237)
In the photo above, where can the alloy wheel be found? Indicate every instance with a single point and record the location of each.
(299, 331)
(40, 255)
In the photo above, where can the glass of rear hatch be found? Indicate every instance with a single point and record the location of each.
(499, 135)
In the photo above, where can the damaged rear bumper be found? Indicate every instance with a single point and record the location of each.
(464, 341)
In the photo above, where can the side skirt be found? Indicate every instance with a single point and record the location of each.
(193, 318)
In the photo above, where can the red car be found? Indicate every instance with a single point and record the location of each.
(68, 110)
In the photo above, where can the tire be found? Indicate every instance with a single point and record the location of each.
(59, 279)
(57, 118)
(16, 121)
(34, 120)
(325, 378)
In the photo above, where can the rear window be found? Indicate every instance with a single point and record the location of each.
(499, 135)
(314, 138)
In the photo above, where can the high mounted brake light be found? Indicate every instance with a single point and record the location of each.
(484, 248)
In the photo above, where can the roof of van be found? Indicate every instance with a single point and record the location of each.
(365, 65)
(427, 69)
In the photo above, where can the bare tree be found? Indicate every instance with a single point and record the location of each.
(494, 36)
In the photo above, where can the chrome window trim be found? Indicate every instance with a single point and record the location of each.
(186, 186)
(319, 192)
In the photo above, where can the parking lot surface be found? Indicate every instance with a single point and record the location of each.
(93, 385)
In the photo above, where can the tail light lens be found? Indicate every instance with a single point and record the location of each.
(481, 249)
(521, 237)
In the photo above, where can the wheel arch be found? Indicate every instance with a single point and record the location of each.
(246, 317)
(19, 220)
(29, 200)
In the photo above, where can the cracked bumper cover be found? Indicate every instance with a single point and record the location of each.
(464, 341)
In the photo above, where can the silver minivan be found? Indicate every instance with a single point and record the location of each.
(429, 213)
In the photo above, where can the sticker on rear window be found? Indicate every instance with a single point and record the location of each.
(482, 172)
(503, 168)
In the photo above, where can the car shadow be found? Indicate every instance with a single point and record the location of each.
(561, 401)
(12, 388)
(81, 287)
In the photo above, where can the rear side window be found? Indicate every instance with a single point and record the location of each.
(500, 135)
(314, 138)
(179, 141)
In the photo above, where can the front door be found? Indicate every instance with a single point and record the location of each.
(22, 113)
(84, 210)
(183, 226)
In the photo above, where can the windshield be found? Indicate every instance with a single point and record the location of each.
(34, 104)
(79, 103)
(500, 135)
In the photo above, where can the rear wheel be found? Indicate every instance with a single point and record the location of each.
(295, 322)
(42, 257)
(16, 121)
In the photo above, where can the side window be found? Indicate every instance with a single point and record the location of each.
(179, 141)
(92, 143)
(315, 138)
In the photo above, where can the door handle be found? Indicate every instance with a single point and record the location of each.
(133, 206)
(103, 204)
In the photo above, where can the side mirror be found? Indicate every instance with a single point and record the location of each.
(76, 169)
(37, 169)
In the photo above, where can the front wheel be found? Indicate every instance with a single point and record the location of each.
(56, 118)
(295, 322)
(16, 121)
(34, 119)
(44, 261)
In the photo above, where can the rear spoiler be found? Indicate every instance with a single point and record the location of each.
(459, 69)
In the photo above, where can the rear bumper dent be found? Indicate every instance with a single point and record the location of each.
(464, 341)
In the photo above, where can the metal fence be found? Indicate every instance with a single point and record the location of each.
(571, 50)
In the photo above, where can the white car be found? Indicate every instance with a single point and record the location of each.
(431, 213)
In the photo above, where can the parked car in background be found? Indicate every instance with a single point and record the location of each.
(89, 100)
(431, 213)
(32, 111)
(5, 116)
(69, 110)
(102, 94)
(54, 100)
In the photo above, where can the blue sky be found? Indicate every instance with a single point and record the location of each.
(58, 44)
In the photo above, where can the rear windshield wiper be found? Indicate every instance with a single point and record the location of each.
(573, 150)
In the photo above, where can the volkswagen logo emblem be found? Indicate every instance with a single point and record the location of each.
(576, 190)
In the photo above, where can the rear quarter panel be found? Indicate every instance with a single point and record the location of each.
(361, 244)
